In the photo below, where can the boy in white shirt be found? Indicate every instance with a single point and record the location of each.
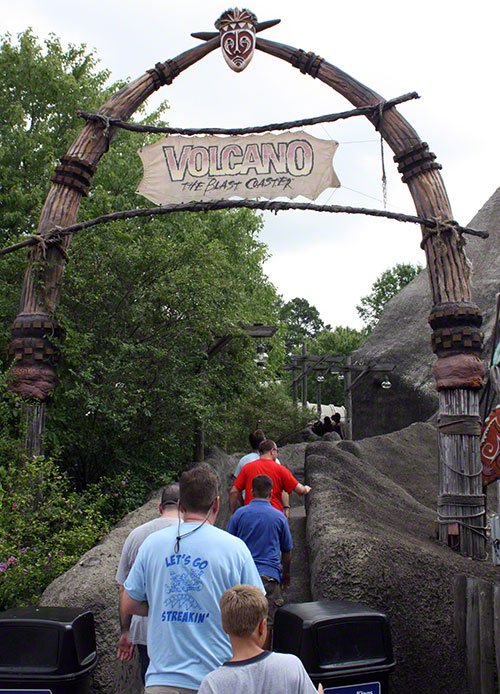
(251, 669)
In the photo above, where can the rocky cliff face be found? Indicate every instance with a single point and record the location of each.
(402, 337)
(370, 535)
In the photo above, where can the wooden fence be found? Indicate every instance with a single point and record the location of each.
(477, 628)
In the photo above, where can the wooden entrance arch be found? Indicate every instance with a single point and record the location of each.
(455, 319)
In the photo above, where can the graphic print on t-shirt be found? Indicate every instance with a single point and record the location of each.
(185, 578)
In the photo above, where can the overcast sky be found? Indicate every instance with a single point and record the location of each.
(447, 51)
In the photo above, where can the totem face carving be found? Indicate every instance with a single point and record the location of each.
(237, 31)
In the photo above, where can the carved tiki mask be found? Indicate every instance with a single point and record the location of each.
(237, 32)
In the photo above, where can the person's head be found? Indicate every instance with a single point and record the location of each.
(255, 438)
(327, 420)
(262, 486)
(336, 417)
(268, 449)
(243, 612)
(198, 490)
(169, 497)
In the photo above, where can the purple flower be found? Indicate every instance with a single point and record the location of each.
(35, 549)
(3, 567)
(24, 549)
(14, 504)
(80, 510)
(25, 571)
(11, 560)
(123, 482)
(49, 554)
(59, 554)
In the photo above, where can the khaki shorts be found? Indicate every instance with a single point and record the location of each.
(274, 598)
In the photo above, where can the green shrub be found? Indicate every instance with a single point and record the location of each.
(45, 527)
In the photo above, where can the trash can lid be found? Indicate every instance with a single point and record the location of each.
(49, 614)
(321, 610)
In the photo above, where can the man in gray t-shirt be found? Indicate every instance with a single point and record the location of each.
(134, 629)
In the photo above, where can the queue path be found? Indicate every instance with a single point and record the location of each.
(293, 456)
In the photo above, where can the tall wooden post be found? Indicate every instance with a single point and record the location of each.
(318, 396)
(304, 376)
(348, 398)
(294, 385)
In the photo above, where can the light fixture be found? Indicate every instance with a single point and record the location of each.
(320, 378)
(340, 375)
(386, 384)
(262, 356)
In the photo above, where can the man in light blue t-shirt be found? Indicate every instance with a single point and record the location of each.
(177, 579)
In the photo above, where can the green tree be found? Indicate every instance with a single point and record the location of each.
(302, 322)
(386, 286)
(142, 300)
(41, 89)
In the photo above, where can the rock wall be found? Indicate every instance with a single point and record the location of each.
(402, 337)
(370, 532)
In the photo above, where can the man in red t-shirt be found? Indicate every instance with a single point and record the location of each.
(282, 478)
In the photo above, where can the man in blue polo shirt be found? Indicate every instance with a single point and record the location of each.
(266, 533)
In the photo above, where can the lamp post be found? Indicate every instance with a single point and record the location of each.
(303, 364)
(319, 380)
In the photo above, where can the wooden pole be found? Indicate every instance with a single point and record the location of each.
(348, 398)
(318, 397)
(33, 419)
(294, 385)
(304, 376)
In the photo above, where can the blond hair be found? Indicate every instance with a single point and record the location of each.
(242, 608)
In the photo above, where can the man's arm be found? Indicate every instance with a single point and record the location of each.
(286, 562)
(130, 606)
(125, 645)
(302, 489)
(234, 499)
(285, 500)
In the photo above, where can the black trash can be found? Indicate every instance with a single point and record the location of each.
(47, 649)
(344, 645)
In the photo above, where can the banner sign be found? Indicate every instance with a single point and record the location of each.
(185, 169)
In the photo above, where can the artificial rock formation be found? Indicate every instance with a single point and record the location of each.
(370, 533)
(403, 337)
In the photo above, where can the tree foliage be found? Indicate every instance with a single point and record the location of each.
(142, 300)
(41, 89)
(302, 321)
(386, 286)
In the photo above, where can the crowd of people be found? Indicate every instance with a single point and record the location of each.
(199, 602)
(328, 425)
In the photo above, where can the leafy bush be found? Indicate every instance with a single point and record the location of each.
(45, 526)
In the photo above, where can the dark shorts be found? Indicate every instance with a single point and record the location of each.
(274, 598)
